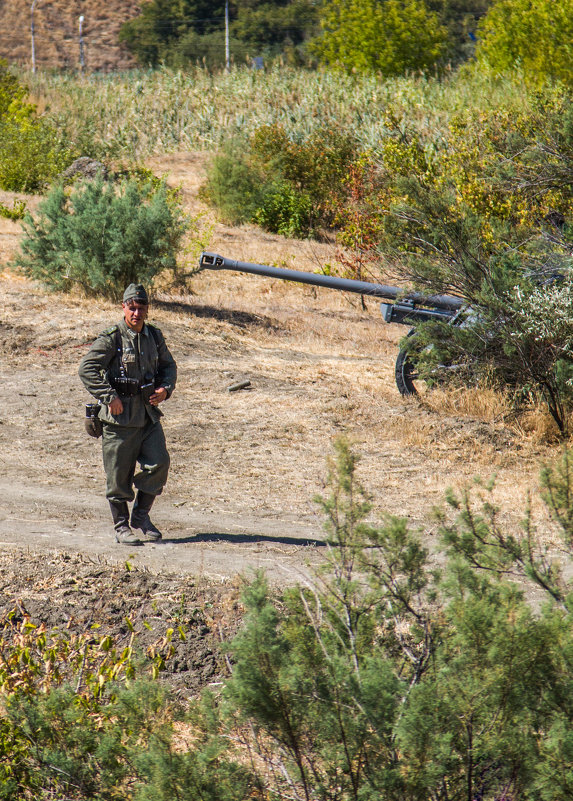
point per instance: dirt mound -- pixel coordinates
(56, 33)
(69, 593)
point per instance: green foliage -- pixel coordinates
(271, 28)
(317, 676)
(461, 19)
(233, 186)
(32, 152)
(70, 709)
(202, 768)
(285, 211)
(390, 679)
(536, 38)
(487, 215)
(193, 31)
(391, 37)
(101, 237)
(291, 188)
(17, 211)
(162, 23)
(82, 719)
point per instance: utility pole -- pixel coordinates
(32, 32)
(82, 64)
(227, 49)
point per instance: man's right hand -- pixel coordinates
(115, 406)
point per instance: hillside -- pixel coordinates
(56, 33)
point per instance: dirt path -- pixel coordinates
(247, 464)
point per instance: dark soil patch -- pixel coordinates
(73, 595)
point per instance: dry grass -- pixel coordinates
(538, 427)
(487, 405)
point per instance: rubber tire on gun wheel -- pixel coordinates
(406, 372)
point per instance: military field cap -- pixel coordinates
(136, 292)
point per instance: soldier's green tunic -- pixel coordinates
(135, 435)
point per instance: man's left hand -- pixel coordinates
(158, 396)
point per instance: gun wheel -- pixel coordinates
(406, 374)
(408, 379)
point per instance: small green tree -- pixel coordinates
(391, 679)
(102, 237)
(536, 37)
(386, 36)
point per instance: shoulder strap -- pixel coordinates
(119, 349)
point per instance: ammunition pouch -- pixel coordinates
(124, 386)
(129, 387)
(147, 390)
(92, 423)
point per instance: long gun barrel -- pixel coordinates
(447, 303)
(407, 308)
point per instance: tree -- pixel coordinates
(536, 37)
(388, 678)
(269, 29)
(162, 23)
(487, 216)
(387, 36)
(183, 32)
(102, 237)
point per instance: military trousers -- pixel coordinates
(123, 449)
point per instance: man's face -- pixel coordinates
(134, 314)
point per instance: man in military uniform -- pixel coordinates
(130, 371)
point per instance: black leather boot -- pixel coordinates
(123, 533)
(140, 516)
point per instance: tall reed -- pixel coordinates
(136, 114)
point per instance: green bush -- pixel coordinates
(316, 166)
(288, 187)
(17, 211)
(285, 211)
(232, 186)
(84, 719)
(534, 37)
(389, 37)
(101, 237)
(32, 151)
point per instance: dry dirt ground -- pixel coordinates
(246, 464)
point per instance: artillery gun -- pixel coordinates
(405, 308)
